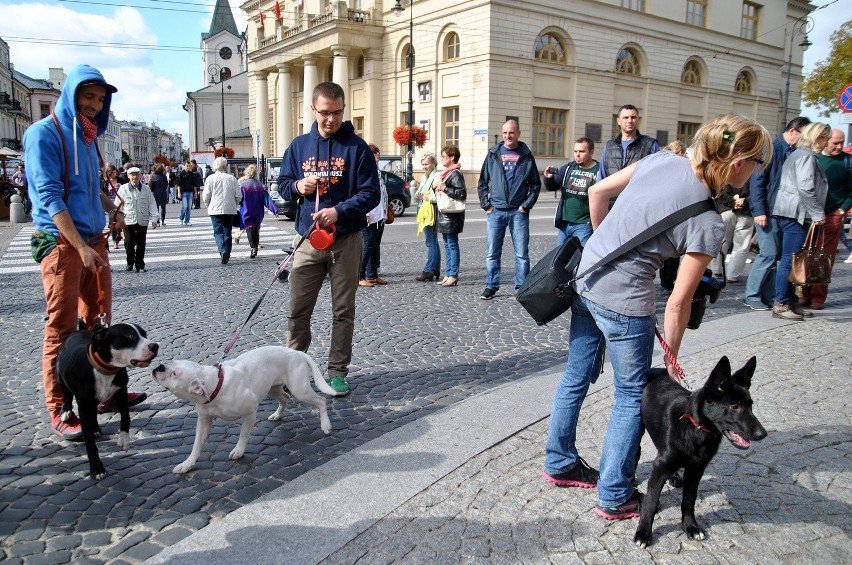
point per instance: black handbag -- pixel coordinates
(548, 290)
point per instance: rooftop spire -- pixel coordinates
(223, 19)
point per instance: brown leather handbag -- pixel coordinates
(812, 265)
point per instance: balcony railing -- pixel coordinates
(337, 13)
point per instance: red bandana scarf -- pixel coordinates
(90, 129)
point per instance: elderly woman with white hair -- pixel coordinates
(222, 197)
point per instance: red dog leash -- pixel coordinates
(671, 358)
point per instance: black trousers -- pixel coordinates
(134, 244)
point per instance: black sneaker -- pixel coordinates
(630, 509)
(580, 475)
(487, 294)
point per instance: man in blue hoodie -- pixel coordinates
(332, 173)
(69, 216)
(508, 189)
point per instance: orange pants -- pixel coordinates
(71, 291)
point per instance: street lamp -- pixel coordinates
(397, 10)
(214, 70)
(804, 24)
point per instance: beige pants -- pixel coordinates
(310, 267)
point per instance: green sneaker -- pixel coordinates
(339, 384)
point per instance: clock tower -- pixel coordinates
(223, 45)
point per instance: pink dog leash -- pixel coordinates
(671, 358)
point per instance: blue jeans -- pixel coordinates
(185, 207)
(568, 229)
(519, 229)
(792, 238)
(630, 340)
(760, 285)
(371, 251)
(451, 248)
(222, 225)
(433, 251)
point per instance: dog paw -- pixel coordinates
(274, 417)
(98, 471)
(182, 468)
(123, 441)
(236, 453)
(695, 533)
(642, 539)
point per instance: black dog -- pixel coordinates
(92, 366)
(687, 430)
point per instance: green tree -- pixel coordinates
(823, 84)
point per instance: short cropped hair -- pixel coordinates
(452, 151)
(589, 143)
(220, 164)
(330, 90)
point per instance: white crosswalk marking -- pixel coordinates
(167, 244)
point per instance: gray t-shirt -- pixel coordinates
(662, 184)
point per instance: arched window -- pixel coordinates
(226, 73)
(406, 50)
(452, 47)
(743, 84)
(627, 62)
(548, 48)
(359, 67)
(691, 73)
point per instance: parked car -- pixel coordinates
(399, 197)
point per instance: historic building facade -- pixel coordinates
(563, 68)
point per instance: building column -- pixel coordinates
(373, 97)
(285, 109)
(310, 82)
(261, 110)
(340, 72)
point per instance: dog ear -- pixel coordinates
(99, 333)
(744, 375)
(196, 387)
(720, 377)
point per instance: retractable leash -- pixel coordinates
(278, 272)
(670, 356)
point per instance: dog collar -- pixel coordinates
(695, 423)
(101, 365)
(218, 384)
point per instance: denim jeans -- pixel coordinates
(433, 251)
(371, 251)
(630, 340)
(222, 231)
(760, 286)
(792, 238)
(519, 229)
(185, 207)
(451, 249)
(568, 229)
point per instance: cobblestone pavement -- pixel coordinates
(785, 500)
(417, 350)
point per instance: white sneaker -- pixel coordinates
(848, 259)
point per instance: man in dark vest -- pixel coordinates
(629, 147)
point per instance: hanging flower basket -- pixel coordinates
(404, 135)
(225, 152)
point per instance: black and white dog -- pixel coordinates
(92, 366)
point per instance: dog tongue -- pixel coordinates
(738, 440)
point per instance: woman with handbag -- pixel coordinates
(426, 215)
(614, 308)
(451, 195)
(800, 202)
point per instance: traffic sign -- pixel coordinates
(844, 99)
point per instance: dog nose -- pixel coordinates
(154, 347)
(159, 369)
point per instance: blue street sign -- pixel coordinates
(844, 99)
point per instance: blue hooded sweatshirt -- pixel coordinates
(46, 161)
(349, 178)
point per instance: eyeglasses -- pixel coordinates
(326, 114)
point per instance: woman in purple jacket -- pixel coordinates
(255, 199)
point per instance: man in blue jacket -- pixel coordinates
(763, 188)
(508, 189)
(68, 213)
(333, 174)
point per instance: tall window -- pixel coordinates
(451, 125)
(45, 109)
(696, 12)
(403, 118)
(549, 132)
(358, 124)
(691, 73)
(748, 27)
(452, 47)
(405, 52)
(686, 131)
(549, 48)
(627, 62)
(359, 67)
(743, 83)
(638, 5)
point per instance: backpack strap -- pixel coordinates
(669, 221)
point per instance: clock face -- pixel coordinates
(225, 53)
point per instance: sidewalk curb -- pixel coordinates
(321, 511)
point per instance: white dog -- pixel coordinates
(236, 388)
